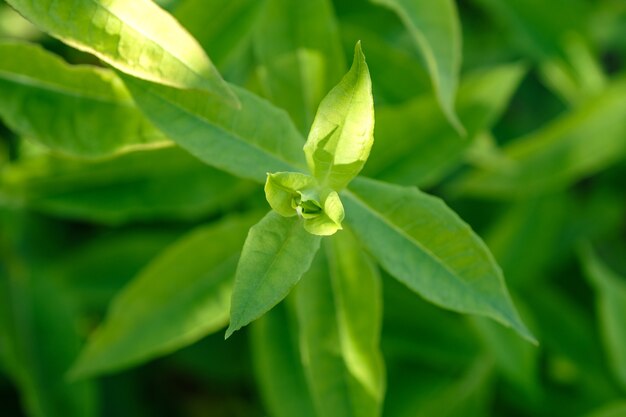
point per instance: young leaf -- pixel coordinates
(181, 296)
(277, 252)
(138, 38)
(425, 245)
(611, 303)
(435, 28)
(249, 142)
(339, 308)
(292, 193)
(298, 47)
(278, 366)
(342, 134)
(76, 110)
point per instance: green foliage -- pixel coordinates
(134, 221)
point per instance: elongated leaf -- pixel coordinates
(277, 252)
(436, 31)
(249, 142)
(339, 306)
(415, 143)
(299, 49)
(560, 153)
(138, 38)
(181, 296)
(137, 185)
(76, 110)
(424, 244)
(611, 303)
(342, 134)
(278, 367)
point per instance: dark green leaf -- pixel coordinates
(277, 252)
(424, 244)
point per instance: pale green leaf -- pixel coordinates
(580, 143)
(415, 143)
(282, 189)
(329, 220)
(342, 134)
(76, 110)
(424, 244)
(136, 185)
(298, 47)
(278, 367)
(249, 142)
(292, 193)
(435, 28)
(180, 297)
(339, 306)
(611, 304)
(276, 253)
(136, 37)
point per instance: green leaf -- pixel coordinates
(76, 110)
(424, 244)
(339, 306)
(249, 142)
(277, 252)
(298, 47)
(611, 304)
(559, 153)
(343, 130)
(180, 297)
(402, 156)
(278, 367)
(138, 38)
(435, 28)
(137, 185)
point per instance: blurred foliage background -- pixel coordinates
(540, 174)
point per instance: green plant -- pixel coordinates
(132, 185)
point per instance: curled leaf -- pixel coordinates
(293, 193)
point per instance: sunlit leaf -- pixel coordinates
(342, 134)
(339, 314)
(138, 38)
(76, 110)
